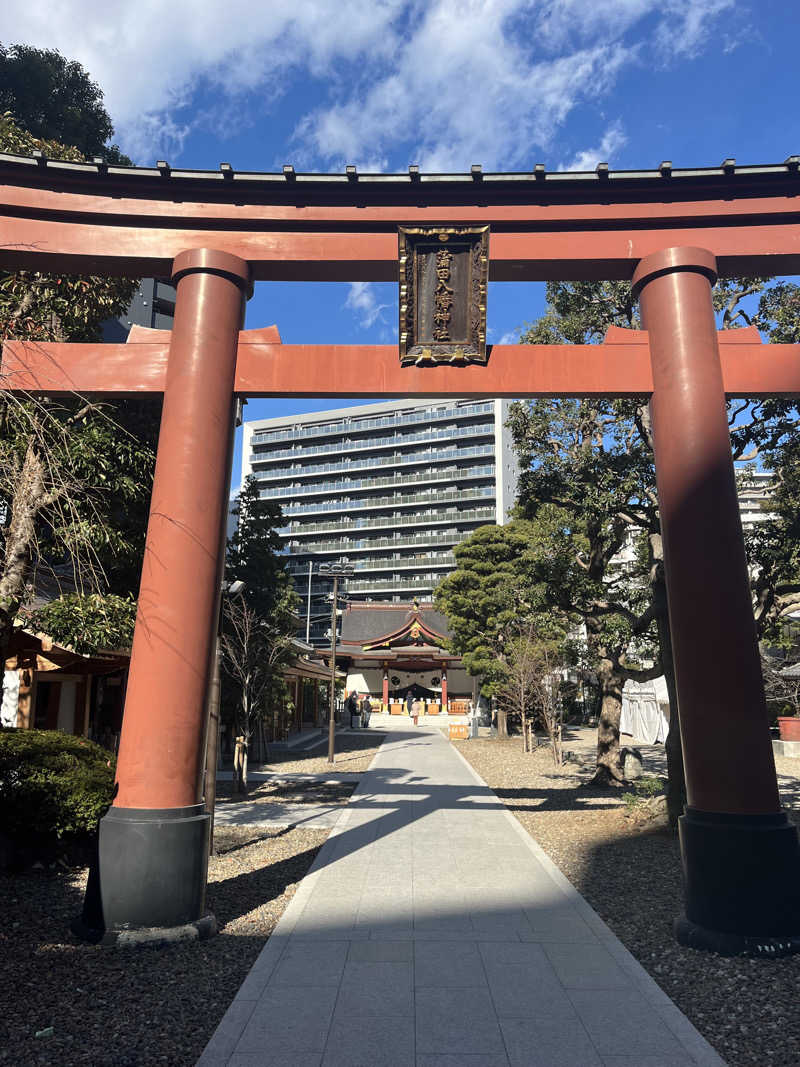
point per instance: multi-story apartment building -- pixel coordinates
(390, 488)
(153, 305)
(755, 494)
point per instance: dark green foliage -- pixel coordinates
(54, 307)
(259, 623)
(588, 485)
(486, 597)
(52, 784)
(56, 99)
(253, 556)
(88, 623)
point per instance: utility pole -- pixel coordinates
(331, 724)
(308, 603)
(212, 740)
(335, 571)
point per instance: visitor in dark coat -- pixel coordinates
(351, 706)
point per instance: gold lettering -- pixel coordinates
(442, 296)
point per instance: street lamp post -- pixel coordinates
(335, 571)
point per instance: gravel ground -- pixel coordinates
(630, 874)
(354, 753)
(137, 1007)
(126, 1007)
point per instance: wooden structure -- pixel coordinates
(671, 231)
(61, 689)
(305, 675)
(384, 639)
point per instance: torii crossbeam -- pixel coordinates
(267, 368)
(741, 856)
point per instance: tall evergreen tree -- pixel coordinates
(487, 598)
(254, 556)
(55, 99)
(590, 463)
(258, 623)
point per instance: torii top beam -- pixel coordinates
(92, 218)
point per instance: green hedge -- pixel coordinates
(52, 784)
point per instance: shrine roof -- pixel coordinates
(364, 624)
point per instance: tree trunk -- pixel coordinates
(502, 724)
(609, 766)
(239, 772)
(557, 744)
(676, 780)
(28, 498)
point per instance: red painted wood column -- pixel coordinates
(737, 845)
(385, 697)
(152, 842)
(444, 687)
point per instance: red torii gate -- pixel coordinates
(213, 232)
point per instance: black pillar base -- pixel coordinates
(742, 883)
(691, 935)
(150, 873)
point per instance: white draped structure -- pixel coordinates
(642, 715)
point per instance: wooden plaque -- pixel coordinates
(443, 277)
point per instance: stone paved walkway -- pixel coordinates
(433, 932)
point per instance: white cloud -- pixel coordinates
(685, 28)
(449, 82)
(677, 27)
(492, 81)
(149, 56)
(510, 337)
(612, 141)
(363, 302)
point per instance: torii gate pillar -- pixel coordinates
(153, 841)
(740, 854)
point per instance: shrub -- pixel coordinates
(645, 788)
(52, 784)
(89, 622)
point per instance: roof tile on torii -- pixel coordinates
(90, 217)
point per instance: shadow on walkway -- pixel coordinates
(432, 932)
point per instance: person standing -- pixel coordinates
(416, 709)
(351, 706)
(366, 710)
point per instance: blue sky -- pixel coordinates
(441, 83)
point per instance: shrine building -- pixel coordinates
(391, 649)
